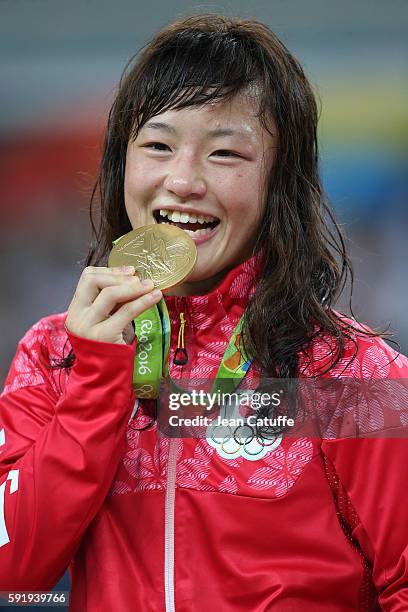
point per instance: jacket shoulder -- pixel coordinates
(43, 345)
(49, 329)
(364, 355)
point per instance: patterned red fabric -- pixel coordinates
(315, 524)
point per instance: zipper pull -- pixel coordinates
(180, 354)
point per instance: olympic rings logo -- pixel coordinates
(240, 442)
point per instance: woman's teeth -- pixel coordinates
(185, 217)
(188, 222)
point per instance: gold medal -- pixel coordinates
(162, 252)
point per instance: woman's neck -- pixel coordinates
(200, 287)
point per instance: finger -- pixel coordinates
(114, 269)
(110, 297)
(93, 280)
(129, 311)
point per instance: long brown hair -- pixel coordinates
(209, 57)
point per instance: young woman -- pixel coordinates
(213, 129)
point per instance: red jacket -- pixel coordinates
(156, 524)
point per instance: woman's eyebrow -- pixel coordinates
(228, 132)
(217, 132)
(160, 125)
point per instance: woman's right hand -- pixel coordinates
(106, 301)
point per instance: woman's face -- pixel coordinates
(203, 169)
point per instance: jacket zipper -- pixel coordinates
(180, 358)
(169, 526)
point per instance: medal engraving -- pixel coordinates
(164, 253)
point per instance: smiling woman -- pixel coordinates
(213, 129)
(207, 169)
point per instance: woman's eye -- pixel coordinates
(226, 153)
(157, 146)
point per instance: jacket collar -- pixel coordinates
(230, 297)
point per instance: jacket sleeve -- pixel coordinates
(58, 456)
(370, 479)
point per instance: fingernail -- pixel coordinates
(128, 269)
(147, 282)
(156, 293)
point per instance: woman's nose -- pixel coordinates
(185, 180)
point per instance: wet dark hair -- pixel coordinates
(206, 58)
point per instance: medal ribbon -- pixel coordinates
(148, 368)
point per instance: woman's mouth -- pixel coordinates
(196, 226)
